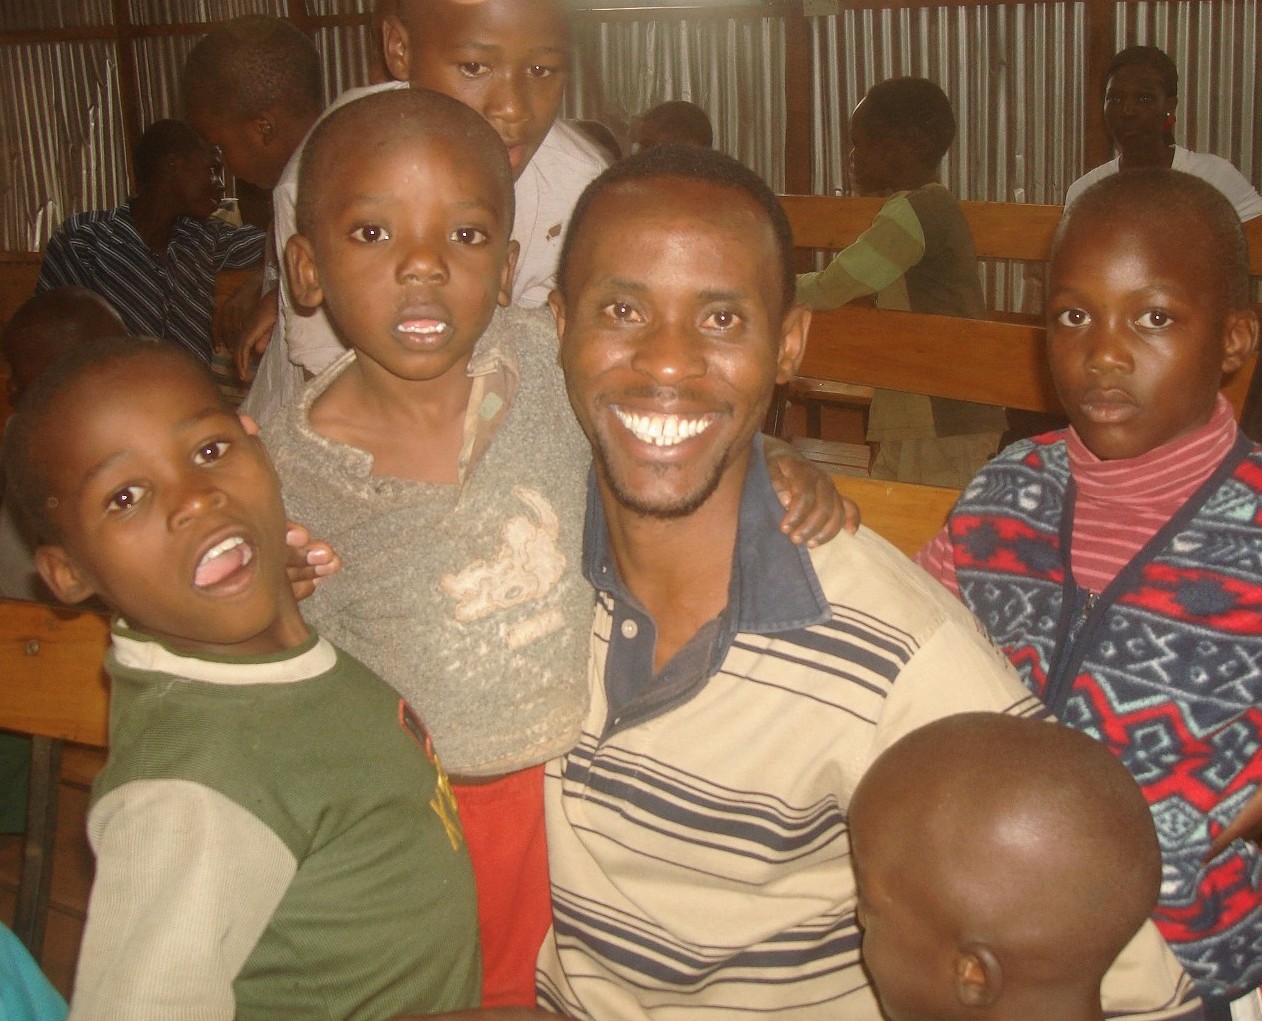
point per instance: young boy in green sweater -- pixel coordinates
(274, 834)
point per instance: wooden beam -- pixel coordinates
(799, 122)
(1101, 32)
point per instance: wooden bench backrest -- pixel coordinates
(986, 362)
(51, 680)
(904, 514)
(1001, 230)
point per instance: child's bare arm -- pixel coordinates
(1247, 825)
(814, 510)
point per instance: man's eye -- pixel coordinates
(469, 236)
(1072, 317)
(472, 68)
(211, 452)
(1154, 319)
(723, 319)
(370, 233)
(125, 499)
(542, 71)
(621, 311)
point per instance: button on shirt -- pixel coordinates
(172, 299)
(773, 588)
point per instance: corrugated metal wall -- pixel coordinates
(62, 142)
(1014, 73)
(1016, 79)
(732, 67)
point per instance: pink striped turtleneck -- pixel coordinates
(1122, 504)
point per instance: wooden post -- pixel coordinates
(128, 83)
(1101, 45)
(799, 71)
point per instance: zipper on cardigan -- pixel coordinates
(1059, 680)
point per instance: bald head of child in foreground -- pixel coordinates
(1002, 866)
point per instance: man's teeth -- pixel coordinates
(424, 328)
(663, 430)
(219, 549)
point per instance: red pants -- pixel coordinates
(504, 830)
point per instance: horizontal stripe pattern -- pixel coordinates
(700, 858)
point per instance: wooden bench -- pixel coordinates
(52, 688)
(999, 361)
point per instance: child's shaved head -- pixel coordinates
(368, 126)
(1020, 846)
(48, 325)
(1162, 197)
(251, 64)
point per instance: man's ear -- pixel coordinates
(978, 975)
(510, 271)
(64, 578)
(1240, 338)
(300, 270)
(793, 331)
(557, 303)
(396, 47)
(250, 426)
(264, 127)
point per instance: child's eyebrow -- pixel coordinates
(190, 422)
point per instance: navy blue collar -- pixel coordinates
(773, 587)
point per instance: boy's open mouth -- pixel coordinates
(221, 561)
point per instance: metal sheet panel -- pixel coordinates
(733, 67)
(61, 138)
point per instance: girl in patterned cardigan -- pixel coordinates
(1119, 562)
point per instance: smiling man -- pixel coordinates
(740, 685)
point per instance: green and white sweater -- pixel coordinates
(274, 838)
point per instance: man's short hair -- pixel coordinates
(251, 64)
(1150, 57)
(162, 139)
(915, 109)
(692, 163)
(1157, 195)
(26, 468)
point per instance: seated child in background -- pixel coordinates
(917, 256)
(1002, 864)
(43, 328)
(441, 459)
(506, 59)
(675, 122)
(1119, 563)
(253, 87)
(274, 836)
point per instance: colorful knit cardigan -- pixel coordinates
(1164, 666)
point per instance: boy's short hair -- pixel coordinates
(680, 121)
(1043, 818)
(1159, 195)
(915, 109)
(162, 139)
(1150, 57)
(419, 111)
(692, 163)
(251, 64)
(26, 470)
